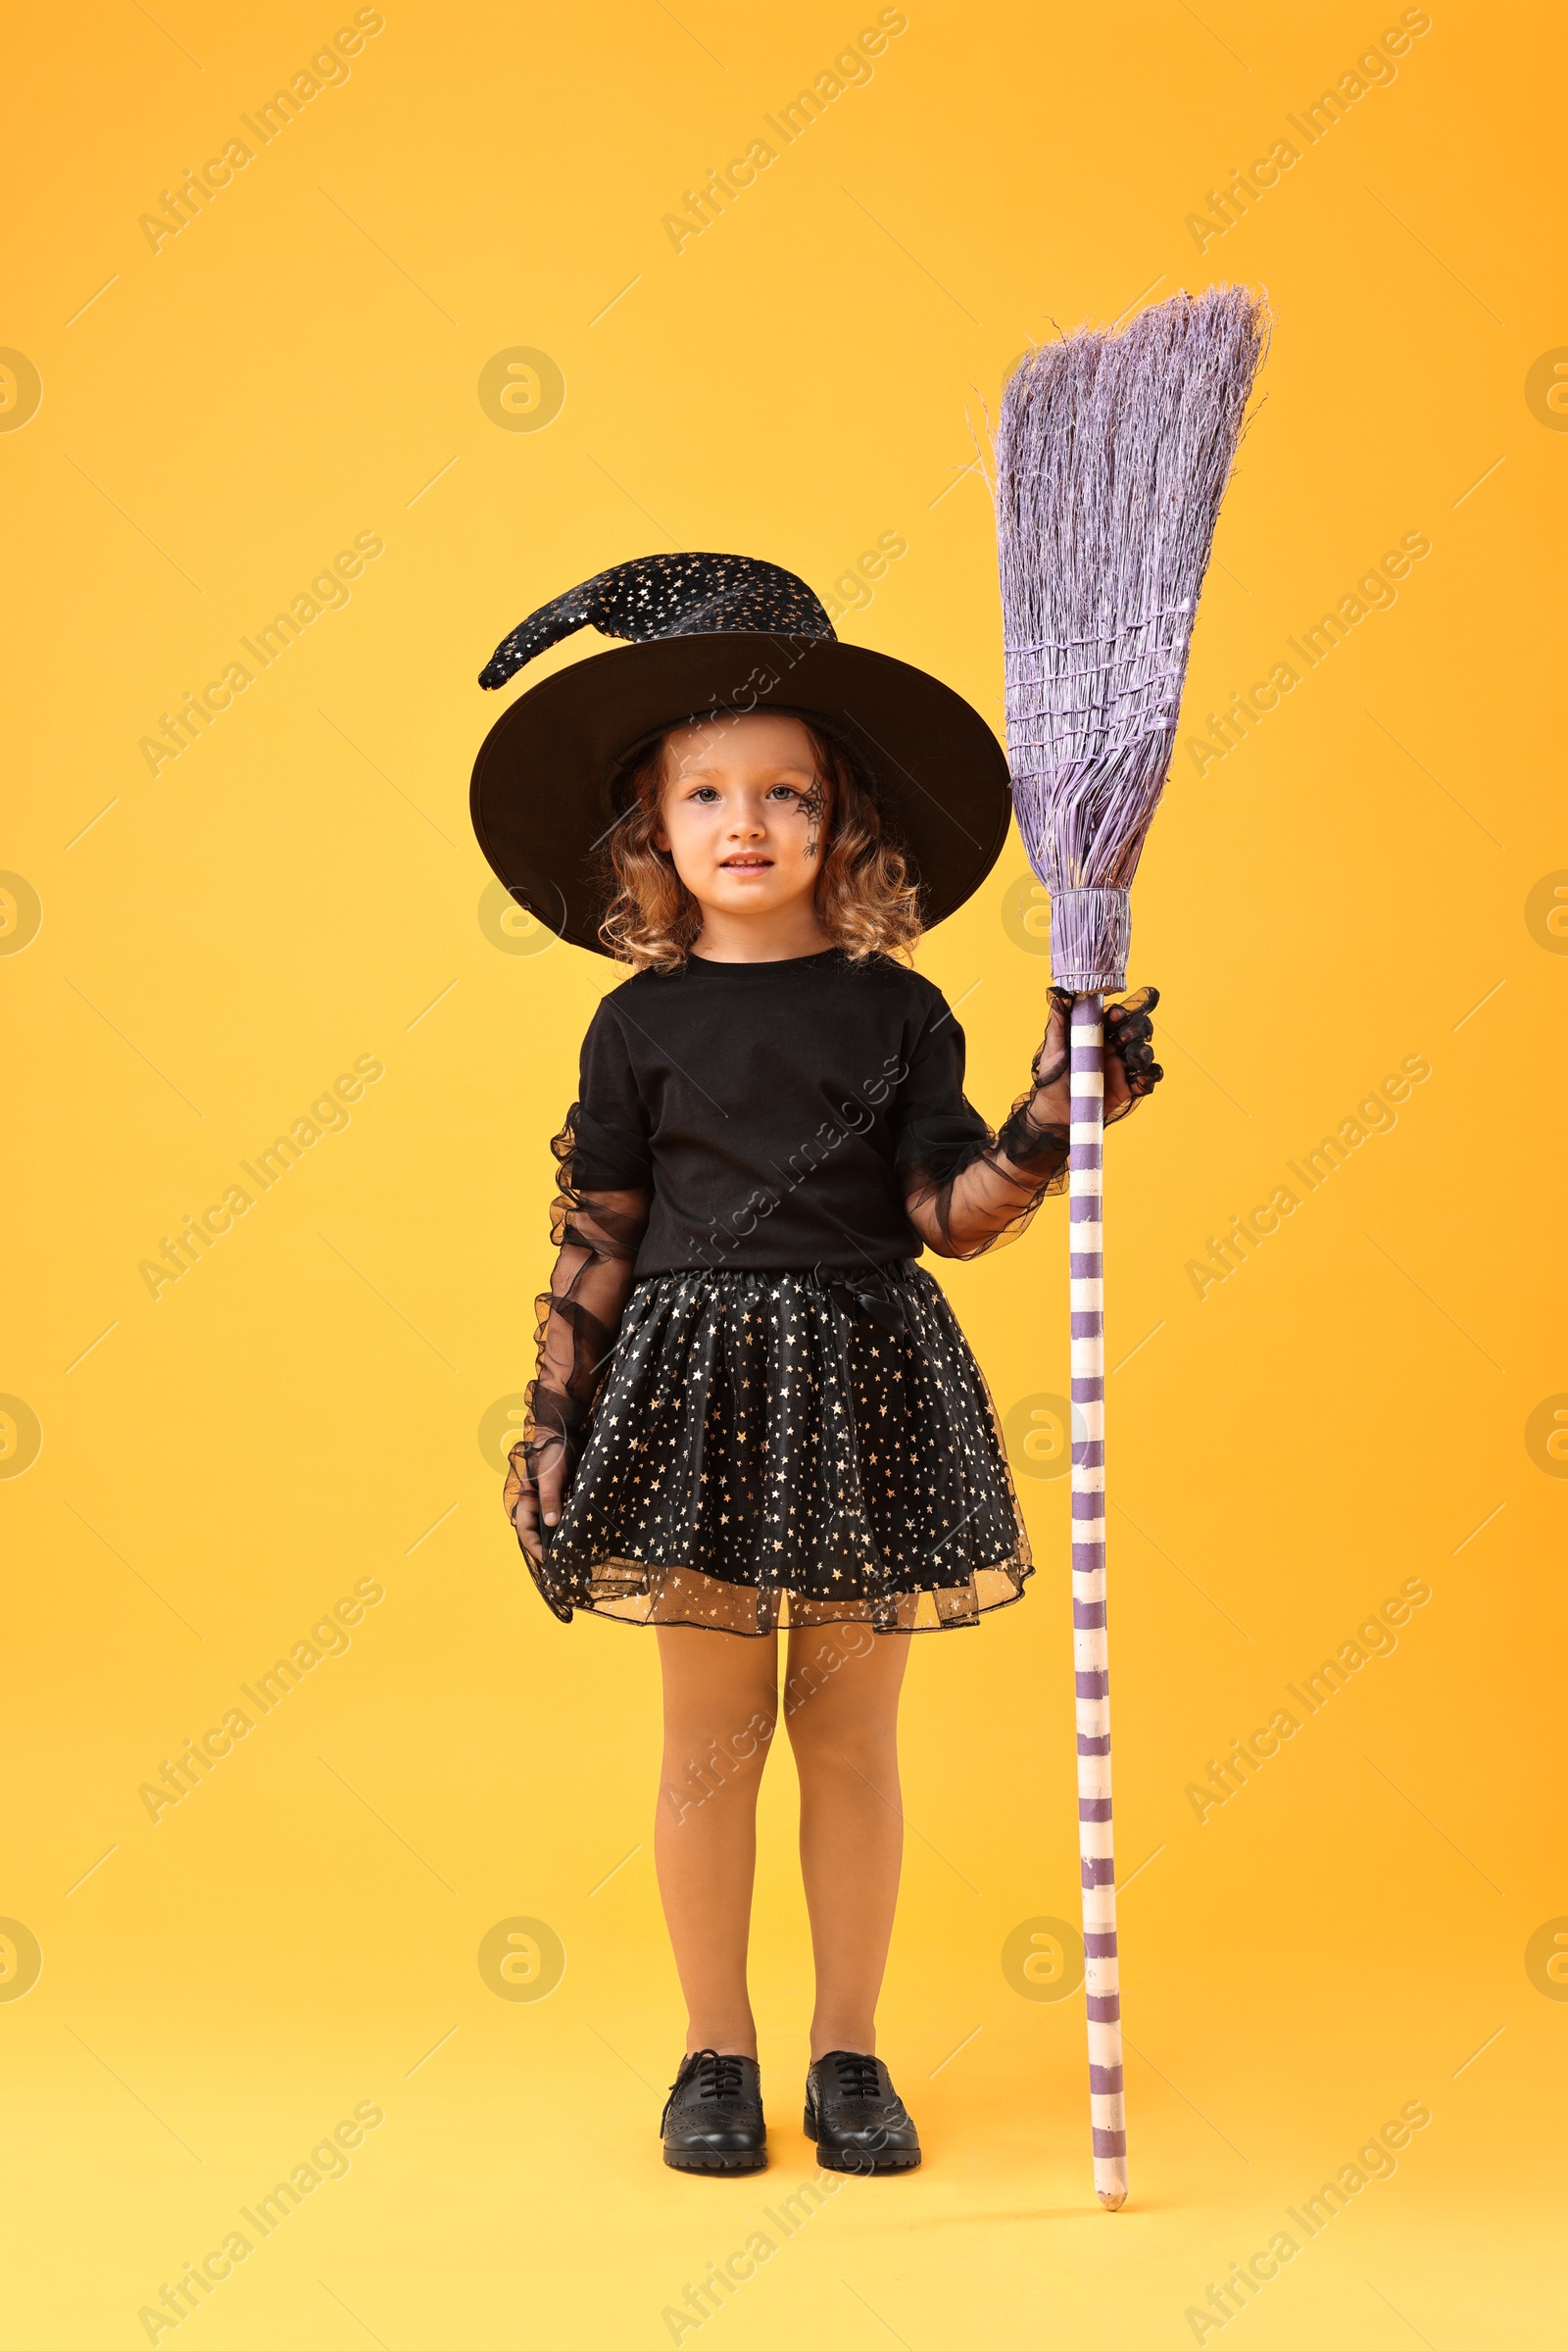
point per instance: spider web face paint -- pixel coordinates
(813, 808)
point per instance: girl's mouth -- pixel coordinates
(744, 864)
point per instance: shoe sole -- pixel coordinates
(715, 2162)
(855, 2159)
(833, 2159)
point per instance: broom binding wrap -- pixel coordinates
(1091, 931)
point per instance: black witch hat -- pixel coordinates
(714, 636)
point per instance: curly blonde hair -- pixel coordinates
(865, 901)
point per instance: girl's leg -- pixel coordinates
(720, 1708)
(840, 1706)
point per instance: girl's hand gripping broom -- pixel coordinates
(1112, 455)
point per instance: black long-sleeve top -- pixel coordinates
(778, 1113)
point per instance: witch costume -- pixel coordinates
(770, 1416)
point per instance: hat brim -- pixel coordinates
(543, 798)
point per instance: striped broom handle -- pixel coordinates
(1091, 1657)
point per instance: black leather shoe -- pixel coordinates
(855, 2116)
(713, 2119)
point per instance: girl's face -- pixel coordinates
(744, 813)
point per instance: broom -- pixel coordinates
(1112, 454)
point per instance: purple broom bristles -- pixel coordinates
(1112, 454)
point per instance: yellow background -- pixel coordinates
(302, 1411)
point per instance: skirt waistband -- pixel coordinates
(870, 1292)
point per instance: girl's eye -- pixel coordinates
(705, 794)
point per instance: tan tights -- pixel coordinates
(721, 1707)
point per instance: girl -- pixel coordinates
(754, 1409)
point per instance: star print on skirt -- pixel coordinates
(789, 1448)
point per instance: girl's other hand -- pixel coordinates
(534, 1499)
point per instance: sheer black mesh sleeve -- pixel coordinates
(597, 1221)
(942, 1137)
(968, 1190)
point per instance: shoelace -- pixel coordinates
(857, 2075)
(716, 2077)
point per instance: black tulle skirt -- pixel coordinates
(776, 1449)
